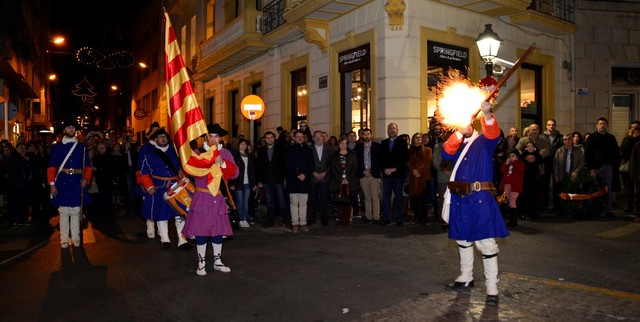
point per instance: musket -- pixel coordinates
(508, 74)
(84, 153)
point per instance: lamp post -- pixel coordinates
(488, 44)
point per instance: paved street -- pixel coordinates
(551, 270)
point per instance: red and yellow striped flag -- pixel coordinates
(187, 121)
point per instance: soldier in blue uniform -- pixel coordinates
(69, 173)
(158, 168)
(470, 205)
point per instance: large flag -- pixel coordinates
(187, 121)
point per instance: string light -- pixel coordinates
(91, 57)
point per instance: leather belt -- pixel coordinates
(165, 178)
(71, 171)
(466, 188)
(205, 190)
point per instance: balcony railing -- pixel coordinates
(561, 9)
(272, 16)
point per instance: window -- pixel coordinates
(299, 99)
(530, 95)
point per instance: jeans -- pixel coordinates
(242, 201)
(606, 173)
(276, 190)
(389, 186)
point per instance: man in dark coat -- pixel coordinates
(298, 167)
(368, 156)
(320, 177)
(270, 177)
(394, 155)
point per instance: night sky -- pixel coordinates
(104, 28)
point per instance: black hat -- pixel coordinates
(154, 126)
(157, 131)
(69, 121)
(215, 128)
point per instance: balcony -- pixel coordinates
(284, 19)
(237, 43)
(492, 8)
(554, 17)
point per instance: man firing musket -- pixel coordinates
(470, 206)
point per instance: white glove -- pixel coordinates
(486, 107)
(206, 146)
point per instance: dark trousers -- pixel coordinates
(392, 186)
(630, 190)
(276, 201)
(318, 201)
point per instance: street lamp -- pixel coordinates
(488, 44)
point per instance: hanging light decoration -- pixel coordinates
(116, 60)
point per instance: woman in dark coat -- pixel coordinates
(344, 180)
(419, 166)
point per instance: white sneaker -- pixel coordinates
(244, 224)
(64, 245)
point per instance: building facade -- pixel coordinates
(25, 96)
(349, 64)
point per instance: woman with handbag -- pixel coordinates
(344, 181)
(419, 166)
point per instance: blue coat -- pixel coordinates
(68, 185)
(150, 164)
(475, 216)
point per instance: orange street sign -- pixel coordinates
(252, 107)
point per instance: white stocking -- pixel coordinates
(489, 249)
(163, 231)
(217, 261)
(465, 249)
(151, 228)
(202, 251)
(179, 221)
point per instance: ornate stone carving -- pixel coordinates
(350, 36)
(315, 33)
(395, 9)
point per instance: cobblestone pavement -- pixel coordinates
(550, 270)
(522, 299)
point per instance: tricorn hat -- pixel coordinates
(154, 126)
(157, 131)
(69, 121)
(215, 128)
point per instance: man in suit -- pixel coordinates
(320, 177)
(394, 155)
(270, 176)
(368, 156)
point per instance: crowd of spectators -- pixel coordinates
(393, 183)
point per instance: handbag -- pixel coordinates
(624, 166)
(234, 217)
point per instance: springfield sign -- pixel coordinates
(440, 54)
(354, 58)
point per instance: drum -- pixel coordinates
(179, 196)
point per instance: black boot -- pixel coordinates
(513, 216)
